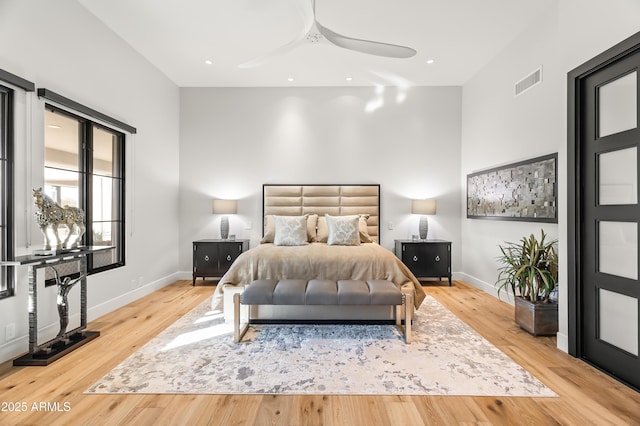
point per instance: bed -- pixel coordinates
(328, 214)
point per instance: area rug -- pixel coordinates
(196, 355)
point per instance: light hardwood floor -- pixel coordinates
(586, 396)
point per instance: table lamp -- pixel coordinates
(224, 207)
(423, 208)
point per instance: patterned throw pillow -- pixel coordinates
(270, 228)
(290, 231)
(343, 230)
(323, 230)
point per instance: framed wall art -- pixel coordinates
(525, 191)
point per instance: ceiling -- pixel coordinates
(178, 36)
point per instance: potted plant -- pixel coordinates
(529, 269)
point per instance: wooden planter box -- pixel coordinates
(539, 319)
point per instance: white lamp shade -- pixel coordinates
(225, 206)
(423, 206)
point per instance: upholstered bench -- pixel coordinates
(323, 292)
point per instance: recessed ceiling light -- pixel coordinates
(430, 61)
(290, 79)
(208, 62)
(349, 78)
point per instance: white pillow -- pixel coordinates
(290, 231)
(343, 230)
(323, 230)
(270, 228)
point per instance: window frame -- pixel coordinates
(85, 183)
(7, 226)
(7, 184)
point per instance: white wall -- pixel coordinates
(499, 128)
(62, 47)
(234, 140)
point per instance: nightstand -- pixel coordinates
(426, 258)
(212, 258)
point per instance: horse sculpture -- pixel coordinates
(49, 215)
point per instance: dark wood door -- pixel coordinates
(205, 259)
(437, 259)
(609, 289)
(414, 256)
(227, 254)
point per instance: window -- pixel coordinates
(84, 167)
(6, 190)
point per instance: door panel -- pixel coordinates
(609, 215)
(206, 258)
(618, 177)
(415, 257)
(228, 253)
(617, 101)
(437, 257)
(618, 249)
(618, 314)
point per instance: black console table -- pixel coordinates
(66, 341)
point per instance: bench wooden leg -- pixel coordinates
(238, 332)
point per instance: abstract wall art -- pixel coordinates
(525, 191)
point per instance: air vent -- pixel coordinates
(529, 82)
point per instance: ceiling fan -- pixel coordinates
(313, 32)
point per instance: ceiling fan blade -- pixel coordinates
(273, 54)
(306, 13)
(366, 46)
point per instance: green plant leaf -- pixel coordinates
(529, 268)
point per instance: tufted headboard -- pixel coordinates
(336, 200)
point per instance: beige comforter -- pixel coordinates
(321, 261)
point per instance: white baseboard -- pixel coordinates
(562, 342)
(135, 294)
(18, 346)
(14, 348)
(483, 285)
(184, 275)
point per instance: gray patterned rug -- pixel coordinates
(196, 355)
